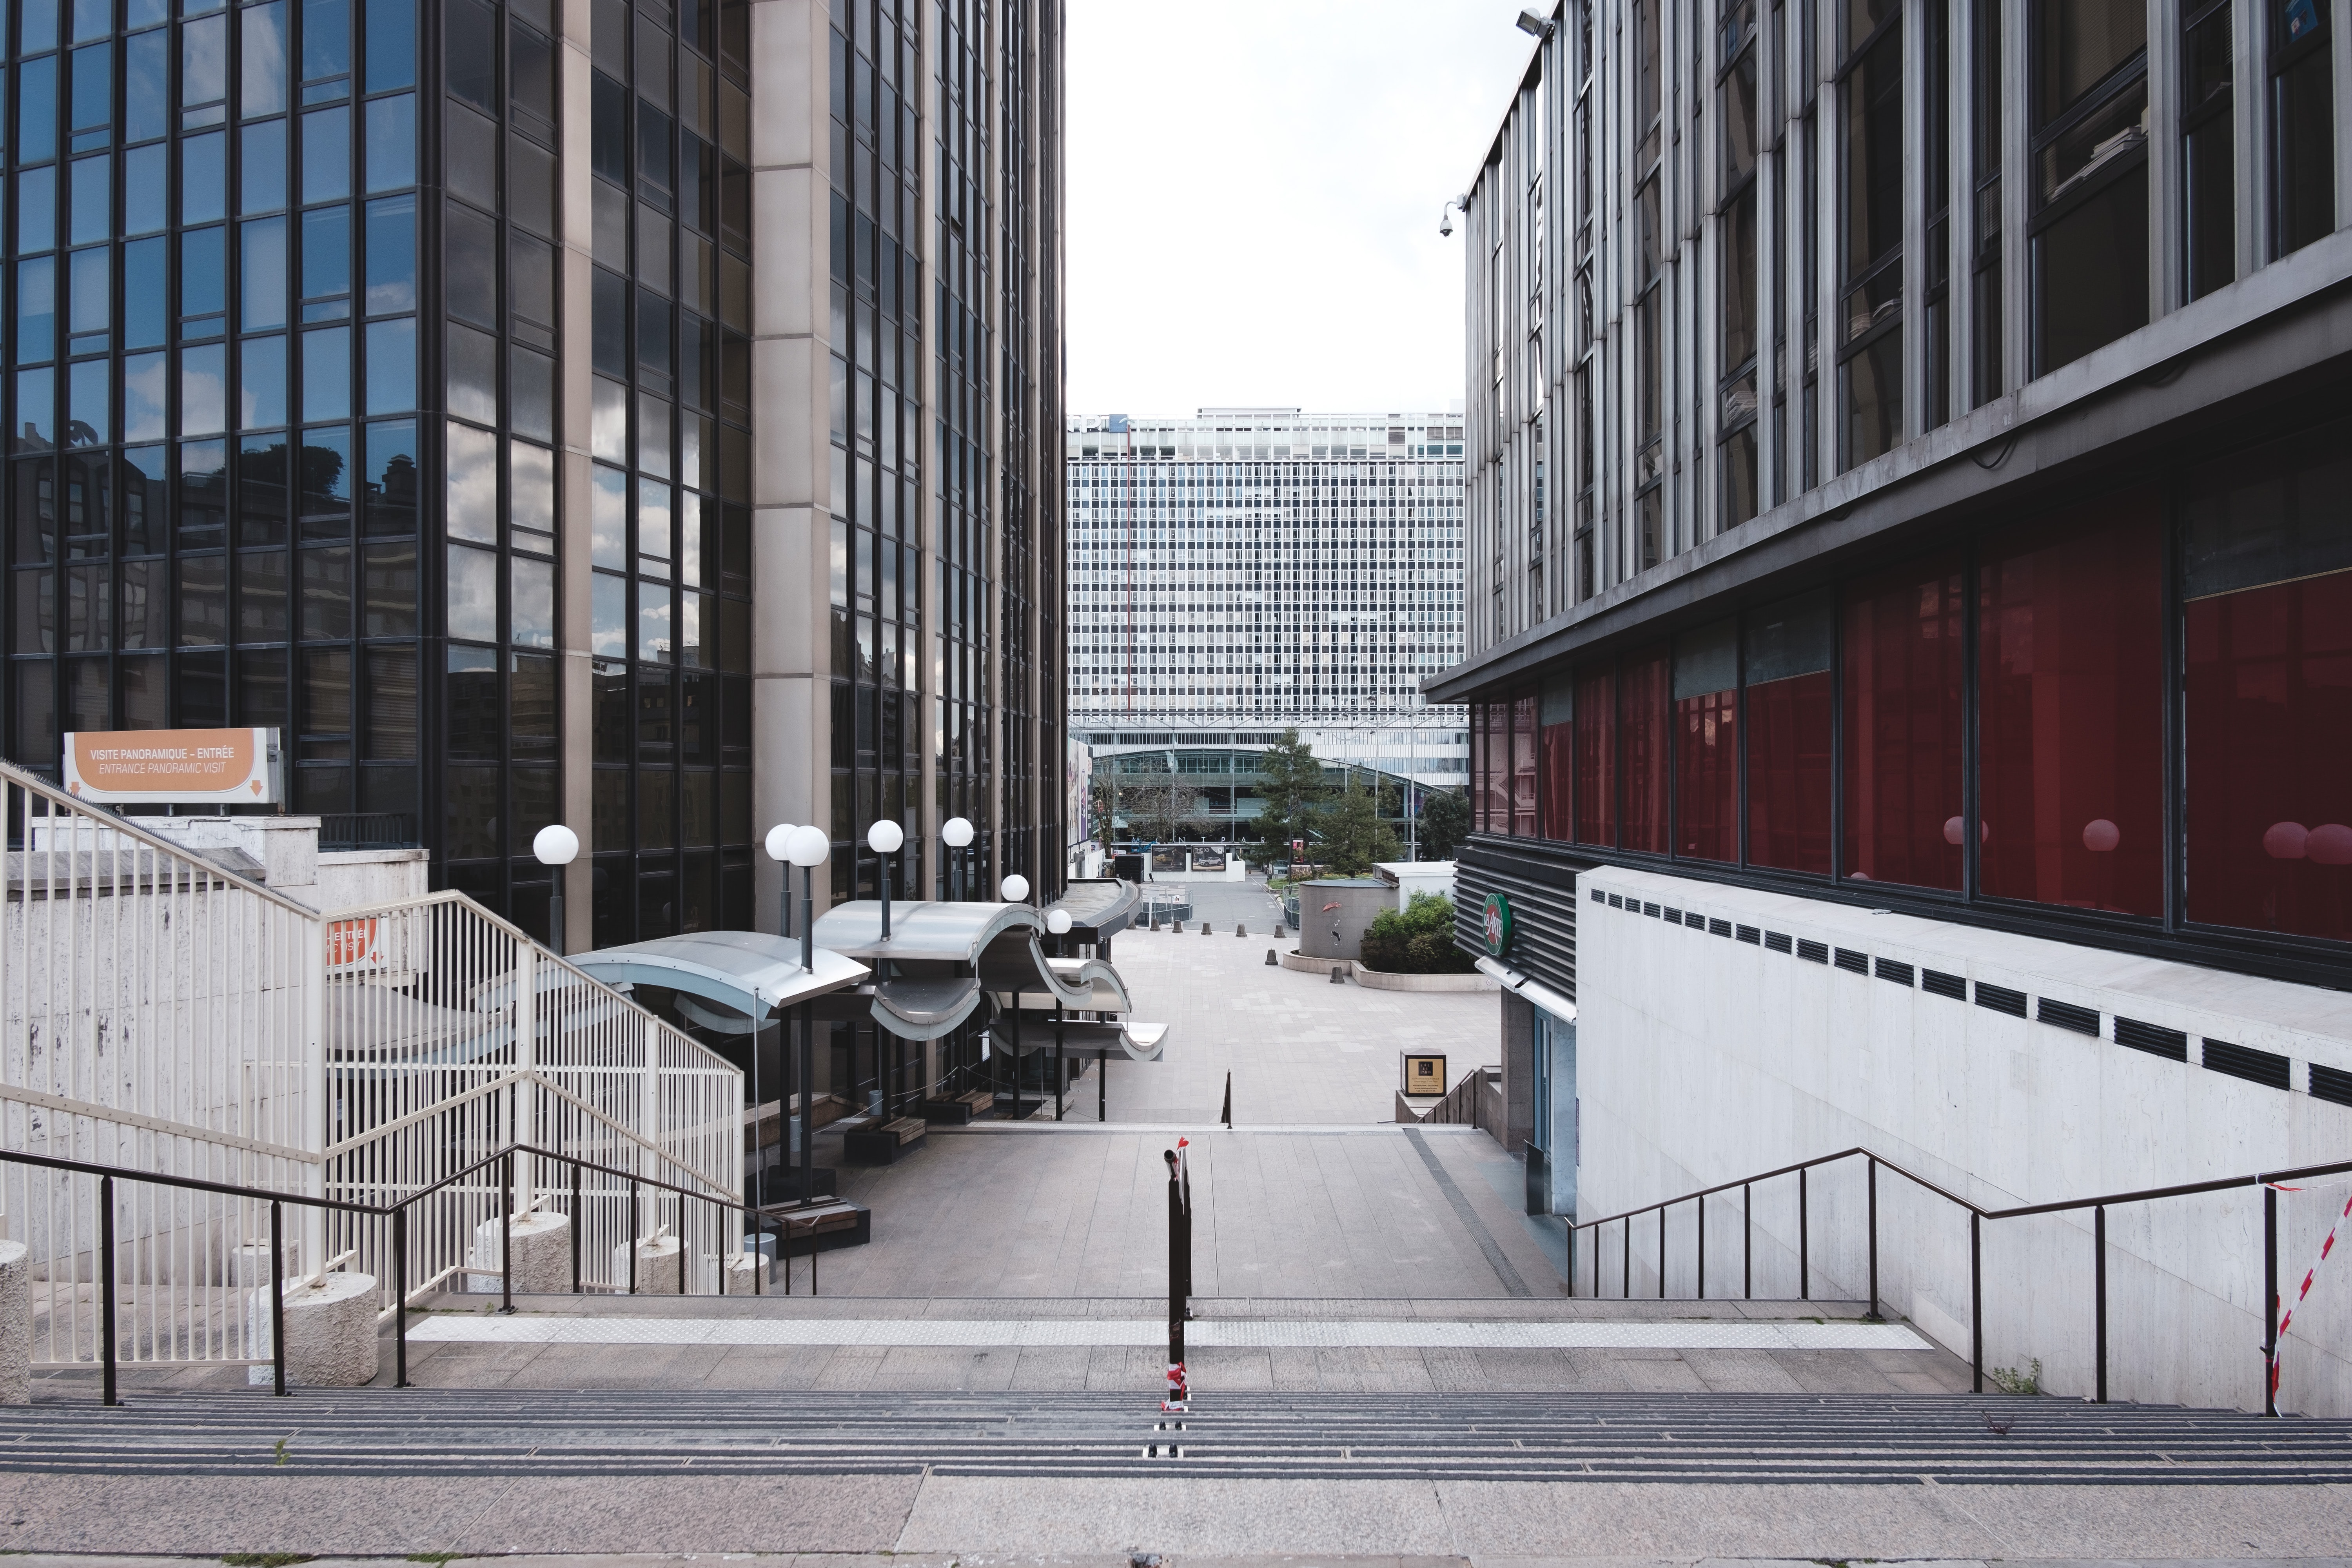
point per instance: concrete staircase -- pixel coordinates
(1686, 1438)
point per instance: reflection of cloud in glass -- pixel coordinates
(203, 391)
(473, 593)
(144, 396)
(609, 618)
(533, 471)
(653, 622)
(261, 384)
(608, 518)
(473, 483)
(532, 612)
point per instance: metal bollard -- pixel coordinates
(1205, 931)
(1272, 961)
(1241, 930)
(1338, 975)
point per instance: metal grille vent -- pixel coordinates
(1776, 941)
(1750, 935)
(2001, 999)
(2066, 1016)
(1812, 951)
(1673, 917)
(2331, 1083)
(1718, 928)
(1615, 902)
(1650, 911)
(1943, 984)
(2171, 1043)
(1598, 896)
(1888, 968)
(2245, 1062)
(1853, 962)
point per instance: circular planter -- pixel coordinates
(1375, 980)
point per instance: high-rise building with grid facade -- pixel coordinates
(1261, 566)
(637, 415)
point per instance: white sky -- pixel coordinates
(1254, 194)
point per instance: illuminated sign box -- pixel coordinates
(178, 767)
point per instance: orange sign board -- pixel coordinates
(184, 766)
(355, 944)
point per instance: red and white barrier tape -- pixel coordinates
(2310, 1274)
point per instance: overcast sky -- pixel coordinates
(1254, 188)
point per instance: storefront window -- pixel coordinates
(1523, 765)
(1596, 756)
(2070, 708)
(1789, 698)
(1643, 714)
(1903, 667)
(1556, 755)
(1706, 743)
(2269, 678)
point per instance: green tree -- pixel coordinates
(1291, 793)
(1445, 824)
(1415, 939)
(1354, 835)
(1103, 798)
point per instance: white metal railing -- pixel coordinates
(162, 1012)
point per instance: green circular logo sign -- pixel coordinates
(1498, 924)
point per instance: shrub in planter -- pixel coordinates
(1415, 939)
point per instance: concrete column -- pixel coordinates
(660, 1265)
(539, 1252)
(330, 1338)
(574, 474)
(1519, 1071)
(16, 1325)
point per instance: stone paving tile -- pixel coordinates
(1300, 1050)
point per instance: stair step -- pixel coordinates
(1748, 1438)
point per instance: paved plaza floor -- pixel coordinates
(1300, 1050)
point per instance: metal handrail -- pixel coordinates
(397, 1214)
(2267, 1181)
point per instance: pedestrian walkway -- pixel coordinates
(1300, 1050)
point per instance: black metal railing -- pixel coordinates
(367, 830)
(2266, 1181)
(763, 1220)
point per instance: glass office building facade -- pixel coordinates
(1955, 512)
(331, 409)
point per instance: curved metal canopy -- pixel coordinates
(921, 930)
(756, 974)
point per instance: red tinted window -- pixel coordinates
(1596, 758)
(1642, 714)
(1706, 777)
(1523, 766)
(2270, 757)
(1788, 772)
(1903, 663)
(2070, 708)
(1556, 759)
(1494, 764)
(1707, 743)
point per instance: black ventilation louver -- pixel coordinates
(2243, 1061)
(2066, 1016)
(2001, 999)
(1899, 973)
(1942, 984)
(2170, 1044)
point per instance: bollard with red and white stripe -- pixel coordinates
(2309, 1274)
